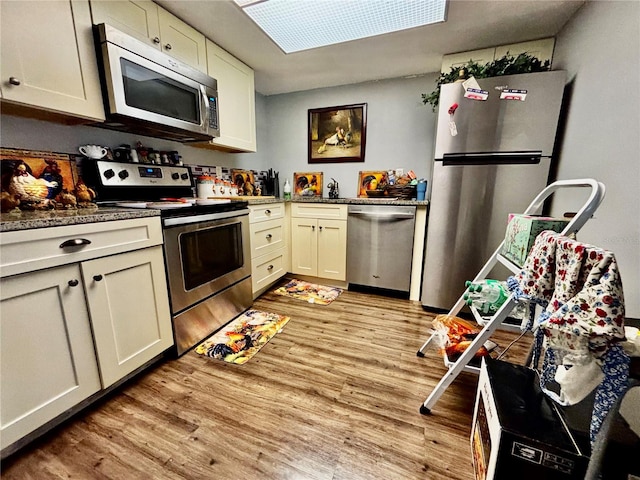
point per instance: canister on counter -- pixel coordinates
(205, 186)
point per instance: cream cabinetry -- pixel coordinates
(237, 107)
(48, 360)
(541, 49)
(319, 240)
(269, 245)
(151, 24)
(48, 59)
(87, 320)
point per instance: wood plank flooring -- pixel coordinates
(334, 396)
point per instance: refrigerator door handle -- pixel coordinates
(492, 158)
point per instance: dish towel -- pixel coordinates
(579, 287)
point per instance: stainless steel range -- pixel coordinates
(206, 247)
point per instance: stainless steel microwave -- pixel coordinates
(150, 93)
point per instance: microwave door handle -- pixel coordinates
(204, 105)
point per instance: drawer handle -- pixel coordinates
(73, 283)
(97, 278)
(270, 267)
(14, 81)
(75, 242)
(267, 212)
(269, 236)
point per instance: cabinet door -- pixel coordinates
(304, 246)
(332, 249)
(237, 107)
(182, 41)
(48, 361)
(48, 57)
(129, 307)
(138, 18)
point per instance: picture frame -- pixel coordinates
(244, 180)
(365, 178)
(308, 184)
(337, 134)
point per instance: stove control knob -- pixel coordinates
(123, 174)
(109, 173)
(175, 176)
(184, 176)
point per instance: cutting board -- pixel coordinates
(248, 198)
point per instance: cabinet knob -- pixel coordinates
(269, 236)
(73, 283)
(313, 228)
(267, 212)
(320, 228)
(75, 242)
(270, 267)
(168, 46)
(156, 40)
(14, 81)
(97, 278)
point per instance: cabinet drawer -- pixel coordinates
(28, 250)
(270, 211)
(266, 237)
(327, 210)
(267, 269)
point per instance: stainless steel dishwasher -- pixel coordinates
(380, 246)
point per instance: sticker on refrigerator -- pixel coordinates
(476, 94)
(513, 94)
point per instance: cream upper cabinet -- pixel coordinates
(236, 104)
(319, 240)
(151, 24)
(541, 49)
(48, 58)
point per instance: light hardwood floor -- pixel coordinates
(335, 395)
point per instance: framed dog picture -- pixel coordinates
(337, 134)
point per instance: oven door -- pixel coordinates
(205, 257)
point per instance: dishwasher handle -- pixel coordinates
(384, 216)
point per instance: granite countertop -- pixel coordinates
(25, 220)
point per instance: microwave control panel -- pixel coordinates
(213, 113)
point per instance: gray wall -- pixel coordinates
(600, 50)
(17, 132)
(400, 129)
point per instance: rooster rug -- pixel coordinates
(243, 337)
(309, 292)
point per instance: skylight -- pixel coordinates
(296, 25)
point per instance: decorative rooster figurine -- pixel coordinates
(30, 189)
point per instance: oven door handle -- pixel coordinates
(175, 221)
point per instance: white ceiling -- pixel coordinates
(470, 25)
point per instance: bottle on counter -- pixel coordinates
(287, 190)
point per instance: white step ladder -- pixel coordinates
(489, 325)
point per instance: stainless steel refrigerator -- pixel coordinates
(495, 164)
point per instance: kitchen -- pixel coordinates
(596, 47)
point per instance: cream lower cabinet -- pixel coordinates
(71, 330)
(48, 360)
(48, 58)
(269, 246)
(129, 308)
(319, 240)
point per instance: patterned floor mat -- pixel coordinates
(242, 338)
(309, 292)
